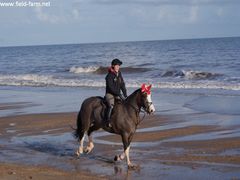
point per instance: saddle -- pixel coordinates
(104, 101)
(105, 105)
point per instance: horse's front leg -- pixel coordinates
(126, 144)
(119, 157)
(130, 165)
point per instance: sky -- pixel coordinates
(90, 21)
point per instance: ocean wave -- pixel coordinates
(104, 70)
(198, 85)
(48, 80)
(77, 70)
(200, 75)
(194, 75)
(146, 64)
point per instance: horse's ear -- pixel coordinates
(146, 89)
(143, 87)
(149, 87)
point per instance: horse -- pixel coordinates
(125, 118)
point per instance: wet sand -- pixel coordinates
(19, 171)
(41, 146)
(18, 105)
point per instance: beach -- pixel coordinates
(185, 144)
(193, 134)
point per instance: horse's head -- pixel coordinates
(146, 99)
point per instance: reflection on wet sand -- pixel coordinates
(163, 146)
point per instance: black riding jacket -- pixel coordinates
(115, 83)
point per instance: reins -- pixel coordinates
(144, 114)
(138, 114)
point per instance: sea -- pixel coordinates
(191, 66)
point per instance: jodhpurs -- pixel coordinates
(110, 99)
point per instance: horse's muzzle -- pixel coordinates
(151, 109)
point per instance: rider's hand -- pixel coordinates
(118, 97)
(122, 97)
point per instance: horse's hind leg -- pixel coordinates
(90, 146)
(80, 148)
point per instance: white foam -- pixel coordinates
(48, 80)
(198, 85)
(77, 70)
(198, 74)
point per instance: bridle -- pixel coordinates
(138, 111)
(141, 109)
(148, 104)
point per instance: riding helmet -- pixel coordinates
(116, 62)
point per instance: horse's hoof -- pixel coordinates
(116, 158)
(77, 154)
(88, 150)
(133, 167)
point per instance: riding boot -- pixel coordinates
(109, 112)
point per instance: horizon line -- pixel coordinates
(58, 44)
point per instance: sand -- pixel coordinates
(19, 171)
(40, 146)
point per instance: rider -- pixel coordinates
(114, 83)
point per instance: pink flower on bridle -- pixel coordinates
(146, 89)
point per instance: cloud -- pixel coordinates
(219, 12)
(193, 14)
(168, 2)
(158, 16)
(75, 14)
(57, 15)
(45, 17)
(170, 11)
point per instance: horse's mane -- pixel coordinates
(133, 94)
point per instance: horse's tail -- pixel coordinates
(78, 130)
(83, 121)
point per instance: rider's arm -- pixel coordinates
(123, 87)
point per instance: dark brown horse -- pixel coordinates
(124, 119)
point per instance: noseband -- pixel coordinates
(149, 104)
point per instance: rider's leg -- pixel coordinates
(110, 103)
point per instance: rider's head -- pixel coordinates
(116, 63)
